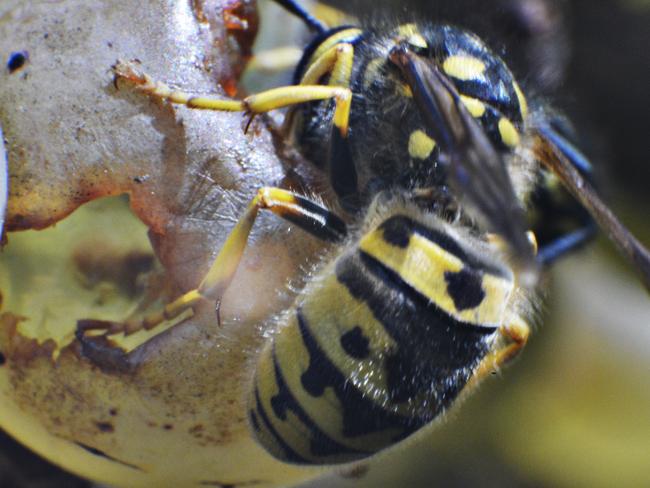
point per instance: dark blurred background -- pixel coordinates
(574, 411)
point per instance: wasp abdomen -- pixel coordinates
(369, 354)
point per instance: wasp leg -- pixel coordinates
(561, 224)
(337, 61)
(514, 336)
(275, 60)
(308, 215)
(564, 244)
(170, 311)
(565, 161)
(265, 101)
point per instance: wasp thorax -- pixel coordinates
(389, 144)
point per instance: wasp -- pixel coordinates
(432, 151)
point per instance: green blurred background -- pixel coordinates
(575, 409)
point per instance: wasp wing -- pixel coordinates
(567, 163)
(477, 170)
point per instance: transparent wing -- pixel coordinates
(477, 170)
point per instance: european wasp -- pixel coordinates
(434, 156)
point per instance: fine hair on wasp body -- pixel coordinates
(433, 151)
(424, 310)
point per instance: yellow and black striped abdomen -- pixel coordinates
(378, 346)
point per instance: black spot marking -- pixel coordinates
(96, 452)
(355, 344)
(360, 415)
(168, 426)
(289, 453)
(17, 60)
(398, 230)
(320, 443)
(465, 288)
(436, 353)
(113, 412)
(3, 359)
(105, 427)
(416, 309)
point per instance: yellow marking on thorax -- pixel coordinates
(475, 106)
(412, 35)
(423, 264)
(523, 104)
(372, 71)
(508, 132)
(346, 35)
(420, 145)
(405, 90)
(464, 67)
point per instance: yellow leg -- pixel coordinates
(337, 61)
(261, 102)
(305, 213)
(308, 215)
(275, 60)
(515, 335)
(501, 244)
(170, 311)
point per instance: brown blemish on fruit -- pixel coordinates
(106, 427)
(17, 348)
(356, 472)
(97, 261)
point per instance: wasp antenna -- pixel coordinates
(295, 8)
(575, 157)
